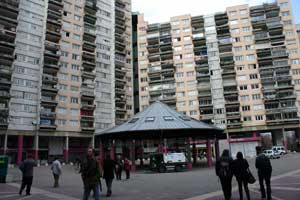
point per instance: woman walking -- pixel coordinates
(240, 170)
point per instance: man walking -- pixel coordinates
(27, 174)
(264, 170)
(108, 168)
(127, 167)
(91, 174)
(224, 172)
(56, 170)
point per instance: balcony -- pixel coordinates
(48, 101)
(47, 115)
(47, 124)
(49, 79)
(4, 94)
(49, 88)
(3, 123)
(88, 74)
(87, 92)
(5, 82)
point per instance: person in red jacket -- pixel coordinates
(127, 167)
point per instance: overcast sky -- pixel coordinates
(162, 10)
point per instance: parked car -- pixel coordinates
(280, 149)
(171, 161)
(271, 154)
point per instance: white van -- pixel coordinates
(279, 149)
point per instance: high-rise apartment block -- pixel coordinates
(238, 69)
(65, 72)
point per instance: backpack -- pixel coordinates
(224, 170)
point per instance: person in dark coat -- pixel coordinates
(240, 170)
(108, 169)
(224, 172)
(264, 170)
(119, 168)
(27, 174)
(91, 174)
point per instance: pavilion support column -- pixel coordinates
(66, 150)
(5, 144)
(20, 149)
(36, 147)
(165, 147)
(208, 153)
(132, 156)
(195, 152)
(112, 150)
(217, 149)
(100, 153)
(189, 154)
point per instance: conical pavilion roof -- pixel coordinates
(159, 117)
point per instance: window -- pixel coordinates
(252, 66)
(186, 30)
(144, 79)
(248, 38)
(243, 11)
(243, 87)
(180, 84)
(178, 48)
(246, 118)
(258, 107)
(144, 98)
(258, 117)
(239, 58)
(256, 96)
(284, 4)
(61, 122)
(62, 111)
(250, 57)
(237, 39)
(244, 97)
(286, 13)
(67, 4)
(180, 103)
(295, 61)
(246, 29)
(254, 86)
(242, 78)
(78, 9)
(75, 78)
(144, 88)
(189, 74)
(149, 119)
(76, 46)
(76, 37)
(179, 75)
(244, 20)
(189, 46)
(240, 67)
(180, 94)
(248, 47)
(291, 42)
(178, 39)
(245, 108)
(253, 76)
(75, 67)
(64, 53)
(62, 87)
(232, 13)
(63, 76)
(77, 18)
(287, 22)
(219, 111)
(74, 100)
(74, 123)
(239, 48)
(192, 93)
(62, 98)
(193, 112)
(296, 71)
(289, 32)
(233, 22)
(187, 38)
(75, 56)
(66, 33)
(235, 30)
(193, 103)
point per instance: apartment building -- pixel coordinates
(237, 69)
(58, 74)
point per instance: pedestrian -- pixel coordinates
(264, 170)
(224, 172)
(127, 167)
(240, 170)
(27, 174)
(91, 174)
(108, 175)
(56, 170)
(119, 168)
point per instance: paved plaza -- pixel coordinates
(197, 184)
